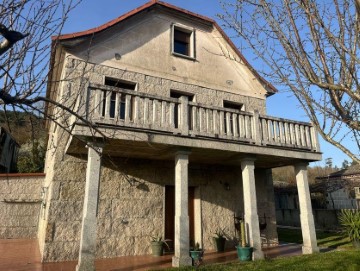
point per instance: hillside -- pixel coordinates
(22, 126)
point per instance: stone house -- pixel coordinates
(170, 138)
(342, 188)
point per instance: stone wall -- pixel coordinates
(20, 200)
(131, 207)
(151, 85)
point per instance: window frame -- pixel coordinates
(187, 30)
(121, 112)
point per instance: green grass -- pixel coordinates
(347, 259)
(325, 239)
(336, 260)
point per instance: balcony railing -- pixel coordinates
(131, 109)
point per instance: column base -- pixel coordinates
(309, 250)
(181, 261)
(258, 254)
(86, 264)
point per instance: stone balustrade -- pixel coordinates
(131, 109)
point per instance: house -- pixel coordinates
(342, 188)
(170, 138)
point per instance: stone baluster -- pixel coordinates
(184, 115)
(302, 135)
(292, 134)
(314, 139)
(287, 133)
(107, 104)
(136, 109)
(146, 110)
(235, 125)
(221, 122)
(216, 122)
(172, 115)
(241, 121)
(256, 127)
(127, 108)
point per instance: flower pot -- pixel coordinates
(244, 253)
(157, 248)
(219, 244)
(196, 256)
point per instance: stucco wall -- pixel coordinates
(131, 207)
(144, 45)
(20, 199)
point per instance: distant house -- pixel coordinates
(9, 149)
(341, 188)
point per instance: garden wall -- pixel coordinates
(324, 219)
(20, 200)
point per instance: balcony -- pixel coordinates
(135, 112)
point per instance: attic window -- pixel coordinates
(183, 42)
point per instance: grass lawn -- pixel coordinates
(330, 261)
(347, 259)
(325, 239)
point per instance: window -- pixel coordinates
(119, 84)
(183, 42)
(233, 106)
(177, 95)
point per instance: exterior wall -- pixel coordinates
(20, 200)
(144, 45)
(131, 207)
(148, 84)
(340, 199)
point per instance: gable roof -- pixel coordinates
(83, 34)
(352, 170)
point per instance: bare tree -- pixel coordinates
(312, 49)
(26, 28)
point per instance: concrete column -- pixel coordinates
(89, 219)
(306, 215)
(250, 207)
(181, 253)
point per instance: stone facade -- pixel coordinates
(131, 206)
(20, 200)
(78, 72)
(138, 159)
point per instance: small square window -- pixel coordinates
(183, 42)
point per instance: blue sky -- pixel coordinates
(91, 14)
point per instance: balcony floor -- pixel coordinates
(23, 255)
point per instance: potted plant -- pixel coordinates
(350, 221)
(244, 251)
(157, 246)
(219, 240)
(196, 254)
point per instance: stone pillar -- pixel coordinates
(182, 235)
(89, 219)
(250, 207)
(306, 215)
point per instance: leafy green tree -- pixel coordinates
(32, 156)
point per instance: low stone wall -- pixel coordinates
(324, 219)
(20, 200)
